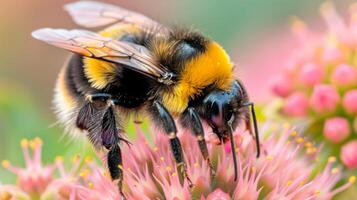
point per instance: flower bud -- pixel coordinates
(350, 101)
(296, 105)
(349, 154)
(336, 129)
(311, 74)
(331, 54)
(344, 75)
(218, 194)
(324, 98)
(282, 86)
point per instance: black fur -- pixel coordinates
(176, 149)
(191, 120)
(114, 159)
(109, 129)
(77, 82)
(84, 117)
(185, 45)
(163, 118)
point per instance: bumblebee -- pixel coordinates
(137, 66)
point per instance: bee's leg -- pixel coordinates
(90, 111)
(163, 118)
(251, 111)
(98, 118)
(115, 165)
(110, 140)
(191, 120)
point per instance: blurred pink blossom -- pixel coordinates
(311, 74)
(324, 98)
(282, 86)
(296, 104)
(336, 129)
(344, 75)
(323, 67)
(350, 101)
(217, 195)
(349, 154)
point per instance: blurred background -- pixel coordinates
(254, 32)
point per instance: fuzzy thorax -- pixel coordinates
(213, 67)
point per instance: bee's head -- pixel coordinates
(222, 109)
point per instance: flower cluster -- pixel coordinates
(38, 181)
(284, 171)
(320, 82)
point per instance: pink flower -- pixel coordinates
(285, 169)
(336, 129)
(324, 98)
(350, 101)
(282, 86)
(331, 54)
(296, 104)
(311, 74)
(36, 181)
(344, 75)
(218, 194)
(349, 154)
(157, 178)
(34, 178)
(325, 69)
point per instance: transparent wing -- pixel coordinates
(93, 45)
(93, 14)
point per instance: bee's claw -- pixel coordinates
(183, 170)
(120, 188)
(190, 184)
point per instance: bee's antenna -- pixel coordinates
(233, 147)
(255, 124)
